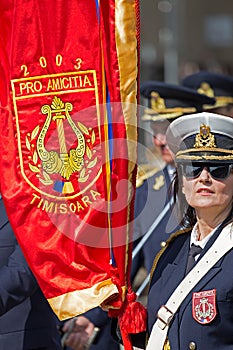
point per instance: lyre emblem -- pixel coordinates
(204, 138)
(62, 163)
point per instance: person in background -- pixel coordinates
(26, 319)
(216, 85)
(197, 259)
(166, 103)
(83, 331)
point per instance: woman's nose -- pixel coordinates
(205, 175)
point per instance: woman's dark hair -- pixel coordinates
(186, 213)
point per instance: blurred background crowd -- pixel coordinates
(180, 37)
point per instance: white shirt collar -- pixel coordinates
(194, 237)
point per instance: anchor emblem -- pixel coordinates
(204, 309)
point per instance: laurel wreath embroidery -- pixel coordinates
(35, 167)
(44, 177)
(90, 153)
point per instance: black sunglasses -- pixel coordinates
(218, 172)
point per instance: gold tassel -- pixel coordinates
(166, 345)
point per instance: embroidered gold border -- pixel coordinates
(171, 110)
(168, 113)
(205, 157)
(126, 46)
(205, 149)
(183, 154)
(221, 101)
(159, 117)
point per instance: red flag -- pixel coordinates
(68, 77)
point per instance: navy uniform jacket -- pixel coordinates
(151, 198)
(26, 320)
(185, 332)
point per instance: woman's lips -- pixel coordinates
(204, 191)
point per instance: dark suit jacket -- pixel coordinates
(26, 320)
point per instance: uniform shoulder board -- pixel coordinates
(144, 172)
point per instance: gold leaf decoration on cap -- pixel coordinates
(205, 89)
(204, 138)
(157, 102)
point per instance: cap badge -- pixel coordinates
(204, 306)
(204, 138)
(205, 89)
(157, 102)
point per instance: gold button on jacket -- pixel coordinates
(192, 345)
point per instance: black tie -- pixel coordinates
(193, 251)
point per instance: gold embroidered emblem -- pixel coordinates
(204, 138)
(53, 162)
(159, 182)
(58, 139)
(157, 102)
(64, 163)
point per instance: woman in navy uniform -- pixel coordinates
(198, 259)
